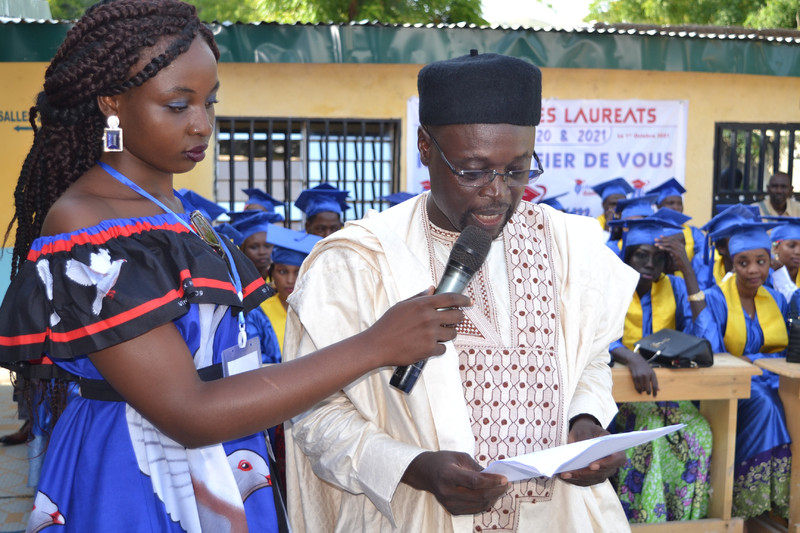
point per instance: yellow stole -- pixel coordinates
(689, 237)
(662, 300)
(274, 310)
(602, 220)
(768, 314)
(719, 268)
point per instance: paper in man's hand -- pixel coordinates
(574, 456)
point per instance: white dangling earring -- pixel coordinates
(112, 135)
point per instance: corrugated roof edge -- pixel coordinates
(733, 50)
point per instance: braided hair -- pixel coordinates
(94, 60)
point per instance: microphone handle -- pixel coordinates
(454, 280)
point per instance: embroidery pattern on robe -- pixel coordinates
(513, 393)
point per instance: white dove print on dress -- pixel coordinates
(44, 513)
(250, 470)
(43, 269)
(102, 273)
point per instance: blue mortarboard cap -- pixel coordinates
(754, 208)
(398, 197)
(641, 206)
(744, 236)
(671, 187)
(253, 221)
(259, 197)
(291, 247)
(736, 213)
(553, 201)
(229, 231)
(646, 230)
(615, 186)
(193, 201)
(788, 228)
(665, 213)
(323, 197)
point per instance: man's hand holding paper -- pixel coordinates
(577, 456)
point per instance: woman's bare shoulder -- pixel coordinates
(78, 207)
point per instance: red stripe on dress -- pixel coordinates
(101, 237)
(103, 325)
(250, 289)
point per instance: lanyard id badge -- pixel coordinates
(237, 359)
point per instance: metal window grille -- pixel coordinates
(283, 156)
(747, 154)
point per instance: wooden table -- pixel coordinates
(789, 391)
(718, 388)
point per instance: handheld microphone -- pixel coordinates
(468, 254)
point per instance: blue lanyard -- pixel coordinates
(233, 273)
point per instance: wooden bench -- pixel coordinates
(718, 388)
(789, 391)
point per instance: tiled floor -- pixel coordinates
(16, 498)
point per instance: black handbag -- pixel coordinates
(675, 349)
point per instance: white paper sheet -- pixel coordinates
(573, 456)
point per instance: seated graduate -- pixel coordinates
(628, 209)
(666, 479)
(611, 192)
(751, 322)
(786, 256)
(252, 227)
(290, 250)
(670, 195)
(715, 263)
(323, 206)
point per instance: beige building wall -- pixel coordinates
(381, 91)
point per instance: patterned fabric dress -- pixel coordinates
(107, 468)
(761, 475)
(666, 479)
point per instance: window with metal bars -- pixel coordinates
(747, 154)
(283, 156)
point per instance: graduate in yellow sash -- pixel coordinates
(751, 322)
(670, 195)
(668, 478)
(715, 261)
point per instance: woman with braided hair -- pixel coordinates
(143, 305)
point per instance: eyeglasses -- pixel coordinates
(482, 178)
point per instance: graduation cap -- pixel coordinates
(553, 201)
(191, 201)
(788, 228)
(744, 236)
(615, 186)
(665, 213)
(290, 247)
(397, 197)
(323, 197)
(646, 230)
(259, 197)
(671, 187)
(735, 214)
(753, 208)
(253, 221)
(229, 231)
(641, 206)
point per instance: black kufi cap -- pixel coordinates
(480, 89)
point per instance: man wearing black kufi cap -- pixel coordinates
(529, 368)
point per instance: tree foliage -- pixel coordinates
(337, 11)
(748, 13)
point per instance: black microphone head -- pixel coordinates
(471, 248)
